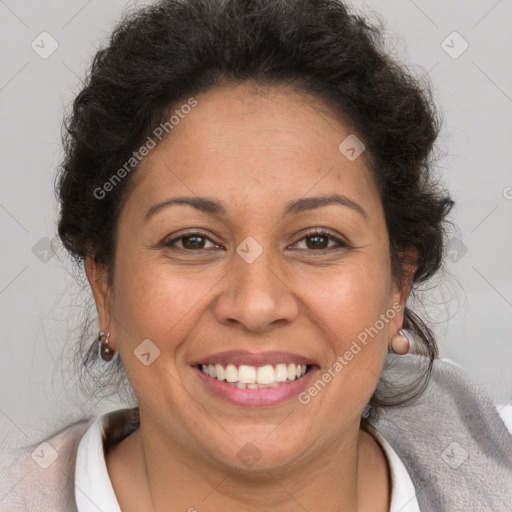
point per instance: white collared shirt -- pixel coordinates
(94, 491)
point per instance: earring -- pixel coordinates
(104, 351)
(400, 344)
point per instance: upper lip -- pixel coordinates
(238, 357)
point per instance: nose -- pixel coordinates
(256, 296)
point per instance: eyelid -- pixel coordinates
(184, 234)
(305, 234)
(323, 232)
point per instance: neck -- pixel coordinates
(150, 472)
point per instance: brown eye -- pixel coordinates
(317, 242)
(320, 240)
(191, 241)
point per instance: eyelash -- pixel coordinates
(309, 234)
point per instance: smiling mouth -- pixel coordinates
(255, 377)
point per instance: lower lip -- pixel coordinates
(257, 397)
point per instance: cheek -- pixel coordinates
(152, 299)
(349, 307)
(153, 302)
(348, 310)
(350, 298)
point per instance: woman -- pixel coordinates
(249, 187)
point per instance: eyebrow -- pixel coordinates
(203, 204)
(211, 206)
(311, 203)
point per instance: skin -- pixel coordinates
(253, 149)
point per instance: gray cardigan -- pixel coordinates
(452, 441)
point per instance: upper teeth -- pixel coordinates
(246, 374)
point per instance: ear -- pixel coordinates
(97, 275)
(409, 262)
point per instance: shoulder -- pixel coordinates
(451, 439)
(452, 395)
(40, 476)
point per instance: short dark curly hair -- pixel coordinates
(171, 50)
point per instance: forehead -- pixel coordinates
(251, 140)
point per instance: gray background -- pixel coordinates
(40, 302)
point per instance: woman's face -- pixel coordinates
(253, 277)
